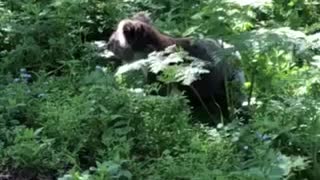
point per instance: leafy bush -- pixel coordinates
(47, 36)
(63, 114)
(96, 119)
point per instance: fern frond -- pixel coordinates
(175, 65)
(188, 74)
(158, 62)
(137, 65)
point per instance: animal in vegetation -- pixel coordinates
(216, 91)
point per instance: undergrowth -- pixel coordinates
(63, 114)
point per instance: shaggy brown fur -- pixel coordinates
(138, 35)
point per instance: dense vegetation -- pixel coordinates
(64, 115)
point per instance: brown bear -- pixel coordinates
(216, 91)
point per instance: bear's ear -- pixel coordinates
(133, 31)
(128, 29)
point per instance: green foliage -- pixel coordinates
(64, 116)
(96, 118)
(175, 66)
(49, 35)
(297, 13)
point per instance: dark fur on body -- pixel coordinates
(137, 35)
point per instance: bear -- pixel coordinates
(218, 91)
